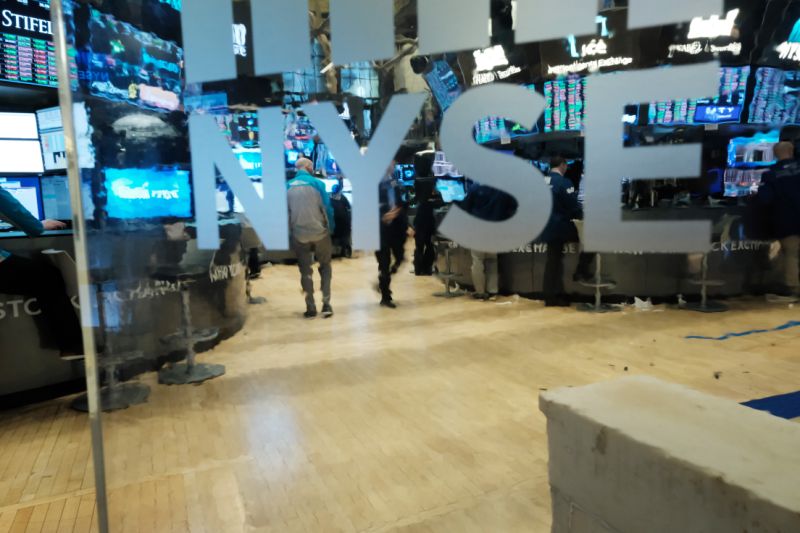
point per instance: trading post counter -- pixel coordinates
(742, 265)
(141, 281)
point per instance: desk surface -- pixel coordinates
(21, 235)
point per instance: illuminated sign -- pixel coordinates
(698, 47)
(713, 27)
(588, 66)
(489, 59)
(11, 20)
(240, 40)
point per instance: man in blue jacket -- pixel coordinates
(780, 192)
(311, 223)
(559, 231)
(24, 277)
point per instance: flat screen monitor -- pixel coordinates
(21, 157)
(250, 160)
(742, 182)
(451, 190)
(565, 106)
(136, 194)
(27, 54)
(292, 156)
(755, 151)
(444, 84)
(776, 99)
(18, 126)
(26, 191)
(405, 174)
(51, 135)
(725, 108)
(55, 198)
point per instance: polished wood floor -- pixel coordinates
(422, 419)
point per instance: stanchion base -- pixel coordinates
(451, 294)
(602, 309)
(709, 307)
(198, 335)
(180, 374)
(256, 300)
(115, 399)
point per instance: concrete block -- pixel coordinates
(639, 455)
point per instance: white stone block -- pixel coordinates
(639, 455)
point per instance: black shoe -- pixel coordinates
(388, 304)
(311, 313)
(480, 296)
(557, 302)
(327, 311)
(395, 269)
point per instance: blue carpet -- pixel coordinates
(727, 336)
(785, 406)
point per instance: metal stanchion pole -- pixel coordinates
(81, 259)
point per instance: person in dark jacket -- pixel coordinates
(780, 192)
(394, 232)
(492, 205)
(559, 231)
(428, 200)
(343, 217)
(24, 277)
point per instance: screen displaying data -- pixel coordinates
(26, 192)
(55, 198)
(27, 52)
(726, 107)
(148, 193)
(444, 84)
(51, 134)
(564, 104)
(776, 99)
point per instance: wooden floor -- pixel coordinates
(423, 419)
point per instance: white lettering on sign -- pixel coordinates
(489, 59)
(596, 47)
(482, 78)
(588, 66)
(697, 47)
(713, 27)
(240, 40)
(22, 22)
(280, 46)
(789, 51)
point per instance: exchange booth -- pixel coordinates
(145, 269)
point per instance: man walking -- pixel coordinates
(780, 192)
(559, 231)
(311, 222)
(394, 233)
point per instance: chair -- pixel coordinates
(187, 337)
(598, 284)
(115, 395)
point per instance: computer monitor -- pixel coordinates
(291, 158)
(140, 194)
(444, 84)
(55, 198)
(51, 135)
(27, 191)
(18, 126)
(405, 174)
(452, 190)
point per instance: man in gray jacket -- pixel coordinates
(311, 223)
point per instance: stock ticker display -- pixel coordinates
(726, 107)
(27, 52)
(565, 106)
(776, 99)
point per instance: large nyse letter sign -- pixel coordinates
(281, 42)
